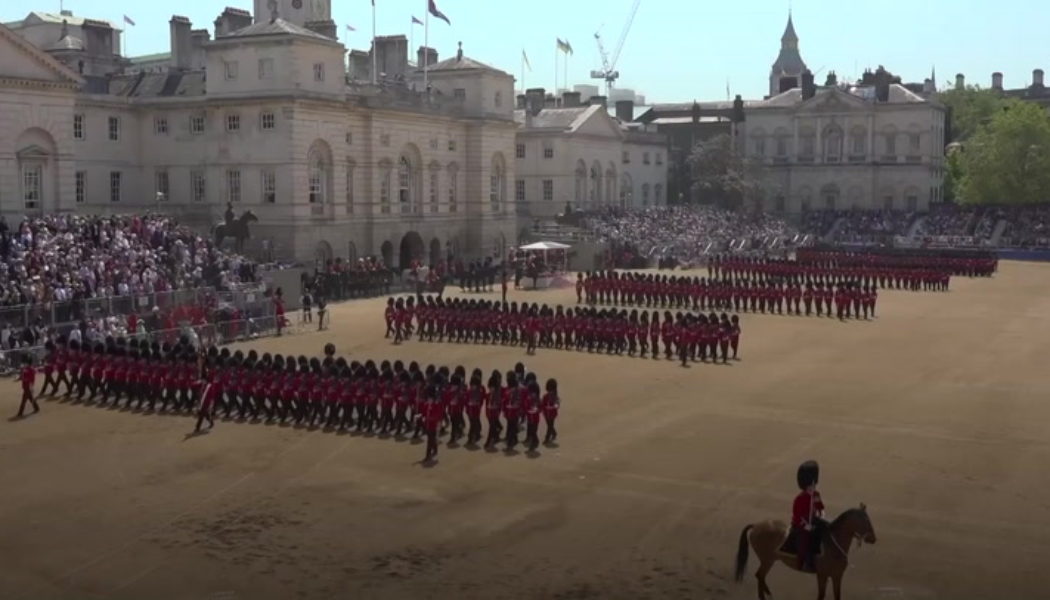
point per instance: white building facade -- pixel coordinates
(263, 117)
(872, 145)
(573, 154)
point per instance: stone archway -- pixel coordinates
(435, 252)
(351, 253)
(412, 248)
(387, 252)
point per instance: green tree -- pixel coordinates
(953, 174)
(721, 175)
(1008, 159)
(970, 108)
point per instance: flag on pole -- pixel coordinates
(350, 27)
(129, 21)
(564, 46)
(416, 21)
(436, 13)
(525, 58)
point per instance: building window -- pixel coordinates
(233, 185)
(197, 187)
(452, 191)
(914, 143)
(349, 138)
(519, 190)
(384, 139)
(658, 193)
(645, 158)
(548, 190)
(318, 179)
(452, 145)
(197, 124)
(660, 157)
(114, 186)
(233, 122)
(498, 100)
(32, 186)
(760, 146)
(459, 94)
(548, 151)
(626, 157)
(269, 186)
(645, 194)
(384, 191)
(78, 127)
(404, 185)
(809, 146)
(265, 68)
(161, 185)
(81, 186)
(496, 187)
(160, 125)
(231, 69)
(350, 187)
(318, 71)
(114, 128)
(267, 121)
(782, 146)
(519, 150)
(858, 145)
(435, 191)
(891, 144)
(833, 145)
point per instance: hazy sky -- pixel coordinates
(677, 50)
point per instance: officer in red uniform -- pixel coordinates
(433, 414)
(807, 511)
(28, 379)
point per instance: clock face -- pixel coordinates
(297, 3)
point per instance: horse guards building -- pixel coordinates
(272, 116)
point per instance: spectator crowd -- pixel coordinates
(66, 257)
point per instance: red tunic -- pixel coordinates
(805, 507)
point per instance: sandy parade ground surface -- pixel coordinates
(936, 415)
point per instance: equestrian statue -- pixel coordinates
(236, 228)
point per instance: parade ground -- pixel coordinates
(936, 415)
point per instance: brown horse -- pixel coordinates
(767, 537)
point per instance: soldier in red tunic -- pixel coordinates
(806, 515)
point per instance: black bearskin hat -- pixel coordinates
(808, 474)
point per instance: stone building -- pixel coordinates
(262, 116)
(873, 144)
(571, 153)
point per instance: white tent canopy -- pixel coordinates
(545, 246)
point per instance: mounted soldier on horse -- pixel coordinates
(236, 228)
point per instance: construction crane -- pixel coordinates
(608, 73)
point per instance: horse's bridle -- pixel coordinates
(845, 553)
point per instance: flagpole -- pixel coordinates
(375, 51)
(556, 50)
(426, 43)
(411, 40)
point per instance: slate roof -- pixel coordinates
(50, 17)
(554, 118)
(461, 64)
(151, 85)
(276, 27)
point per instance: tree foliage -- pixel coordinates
(970, 108)
(1007, 160)
(721, 175)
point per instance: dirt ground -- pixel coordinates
(935, 415)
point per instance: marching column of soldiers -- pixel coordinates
(386, 398)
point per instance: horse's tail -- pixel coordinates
(741, 555)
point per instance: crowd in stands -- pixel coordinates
(948, 220)
(66, 257)
(863, 227)
(1028, 227)
(682, 233)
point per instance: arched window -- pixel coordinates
(434, 191)
(350, 166)
(319, 173)
(497, 184)
(610, 185)
(858, 144)
(626, 191)
(596, 185)
(645, 194)
(453, 176)
(317, 181)
(658, 194)
(384, 186)
(404, 184)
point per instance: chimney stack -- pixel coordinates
(570, 99)
(426, 56)
(928, 87)
(809, 89)
(625, 110)
(997, 81)
(602, 100)
(960, 81)
(550, 101)
(520, 105)
(832, 80)
(534, 99)
(231, 20)
(1037, 78)
(180, 42)
(882, 85)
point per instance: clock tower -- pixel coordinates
(315, 15)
